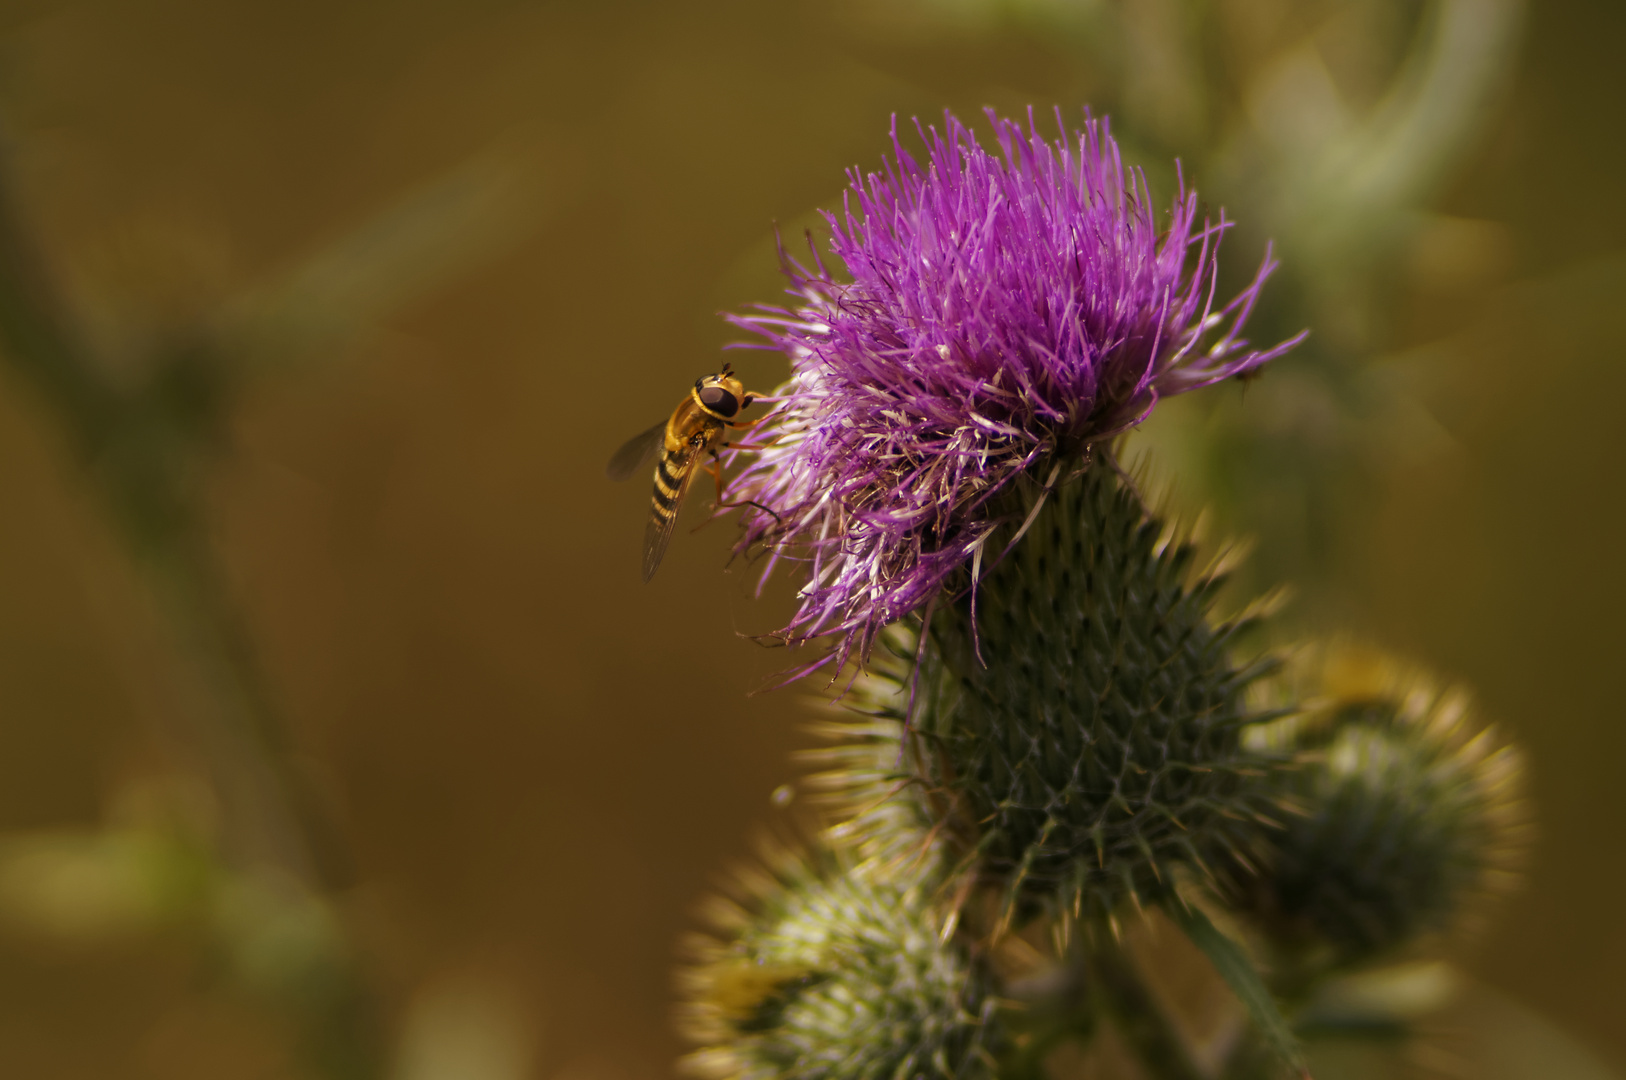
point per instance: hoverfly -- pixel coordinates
(694, 428)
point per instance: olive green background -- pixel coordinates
(540, 764)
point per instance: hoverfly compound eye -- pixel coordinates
(719, 401)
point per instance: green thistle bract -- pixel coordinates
(837, 970)
(1083, 744)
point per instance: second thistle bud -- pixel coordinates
(1408, 814)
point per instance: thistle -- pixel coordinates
(1005, 312)
(1409, 816)
(1079, 742)
(1064, 726)
(836, 969)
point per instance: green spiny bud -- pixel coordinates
(837, 969)
(1409, 816)
(1078, 740)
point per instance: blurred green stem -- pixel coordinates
(146, 448)
(142, 457)
(1152, 1034)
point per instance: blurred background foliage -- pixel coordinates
(337, 736)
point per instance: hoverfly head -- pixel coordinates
(722, 395)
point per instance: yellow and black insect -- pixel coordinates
(694, 429)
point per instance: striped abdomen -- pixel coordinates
(688, 435)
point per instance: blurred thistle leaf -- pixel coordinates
(91, 886)
(1441, 103)
(1341, 193)
(157, 871)
(1425, 1021)
(1380, 997)
(126, 881)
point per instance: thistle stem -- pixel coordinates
(1148, 1029)
(145, 450)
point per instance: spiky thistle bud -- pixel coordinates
(1077, 742)
(1409, 815)
(836, 969)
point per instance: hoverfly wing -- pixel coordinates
(635, 453)
(672, 478)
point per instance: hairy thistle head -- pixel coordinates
(836, 969)
(999, 309)
(1078, 742)
(1408, 814)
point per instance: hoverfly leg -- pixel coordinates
(745, 403)
(717, 474)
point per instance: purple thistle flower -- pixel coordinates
(1005, 313)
